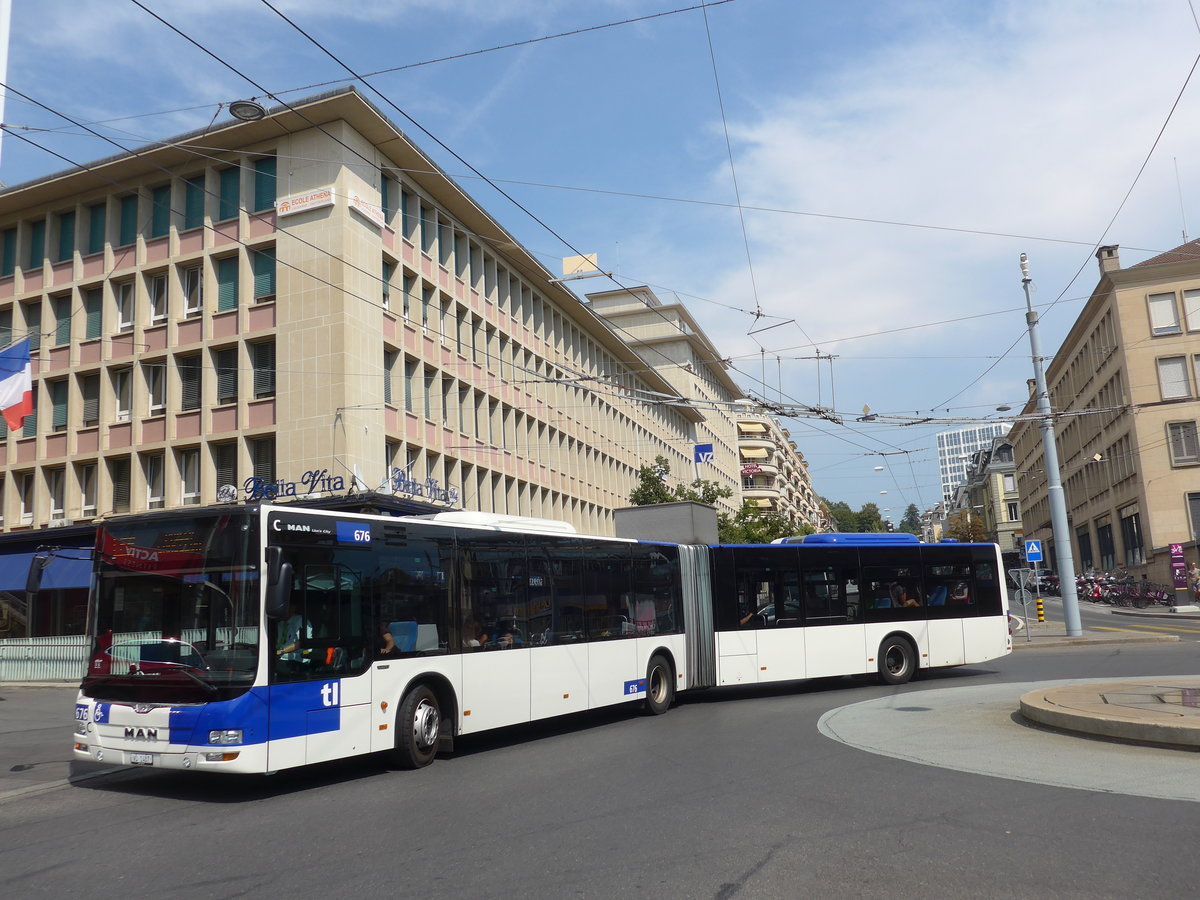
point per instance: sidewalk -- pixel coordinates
(1054, 634)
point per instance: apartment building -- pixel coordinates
(775, 475)
(670, 341)
(990, 493)
(1124, 389)
(301, 308)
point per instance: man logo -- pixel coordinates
(141, 734)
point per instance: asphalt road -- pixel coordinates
(735, 793)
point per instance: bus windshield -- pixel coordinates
(175, 612)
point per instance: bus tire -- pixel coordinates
(897, 662)
(418, 728)
(660, 685)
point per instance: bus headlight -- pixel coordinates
(228, 736)
(81, 727)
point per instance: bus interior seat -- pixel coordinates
(938, 597)
(404, 634)
(426, 637)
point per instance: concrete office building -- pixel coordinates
(302, 307)
(1124, 388)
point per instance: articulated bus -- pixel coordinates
(258, 638)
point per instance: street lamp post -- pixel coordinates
(1054, 488)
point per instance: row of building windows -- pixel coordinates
(119, 393)
(1173, 312)
(150, 298)
(186, 203)
(1105, 556)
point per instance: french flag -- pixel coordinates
(16, 384)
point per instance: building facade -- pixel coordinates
(775, 474)
(990, 492)
(1124, 389)
(303, 308)
(670, 341)
(955, 449)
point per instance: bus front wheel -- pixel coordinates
(660, 686)
(418, 727)
(896, 661)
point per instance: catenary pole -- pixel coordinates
(1054, 488)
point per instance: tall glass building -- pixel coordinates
(955, 449)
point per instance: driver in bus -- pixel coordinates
(291, 657)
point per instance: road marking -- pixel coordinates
(1164, 628)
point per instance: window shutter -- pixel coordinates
(264, 368)
(263, 451)
(37, 244)
(94, 309)
(160, 211)
(189, 381)
(8, 262)
(91, 399)
(66, 236)
(264, 273)
(264, 184)
(62, 320)
(227, 380)
(97, 216)
(119, 469)
(193, 202)
(229, 193)
(129, 222)
(225, 462)
(227, 283)
(58, 397)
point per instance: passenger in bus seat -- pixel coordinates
(900, 596)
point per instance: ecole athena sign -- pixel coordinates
(320, 481)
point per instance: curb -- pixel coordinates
(1020, 643)
(1041, 707)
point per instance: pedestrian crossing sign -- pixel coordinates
(1033, 551)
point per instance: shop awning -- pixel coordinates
(752, 427)
(71, 567)
(755, 453)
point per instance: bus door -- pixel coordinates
(320, 694)
(835, 640)
(495, 615)
(948, 584)
(768, 596)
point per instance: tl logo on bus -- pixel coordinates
(329, 694)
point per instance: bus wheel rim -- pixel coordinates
(425, 724)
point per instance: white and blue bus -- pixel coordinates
(259, 638)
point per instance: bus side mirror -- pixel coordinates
(279, 584)
(37, 565)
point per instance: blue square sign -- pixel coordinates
(1033, 551)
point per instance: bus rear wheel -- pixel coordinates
(418, 728)
(897, 662)
(660, 686)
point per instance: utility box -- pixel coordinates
(685, 522)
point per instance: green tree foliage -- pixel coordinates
(848, 520)
(747, 526)
(652, 487)
(912, 520)
(962, 526)
(752, 526)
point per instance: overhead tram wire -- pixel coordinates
(449, 150)
(1107, 228)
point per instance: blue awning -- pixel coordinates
(70, 567)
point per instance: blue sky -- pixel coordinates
(1012, 118)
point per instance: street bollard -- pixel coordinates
(1041, 610)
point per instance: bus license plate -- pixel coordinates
(141, 759)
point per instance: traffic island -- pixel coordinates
(1160, 713)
